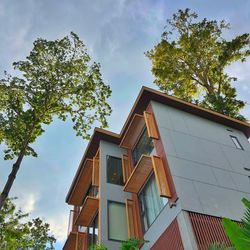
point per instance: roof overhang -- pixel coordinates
(147, 94)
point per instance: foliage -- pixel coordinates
(18, 235)
(220, 246)
(190, 60)
(239, 234)
(131, 244)
(57, 80)
(98, 247)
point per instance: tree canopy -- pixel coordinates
(57, 79)
(190, 60)
(15, 234)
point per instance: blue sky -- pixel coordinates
(116, 33)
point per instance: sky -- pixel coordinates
(116, 34)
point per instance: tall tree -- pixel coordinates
(190, 60)
(57, 79)
(15, 234)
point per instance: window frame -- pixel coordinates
(145, 209)
(115, 157)
(136, 143)
(108, 217)
(93, 235)
(236, 142)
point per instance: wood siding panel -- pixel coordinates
(81, 241)
(139, 175)
(208, 230)
(96, 172)
(134, 130)
(151, 125)
(170, 239)
(132, 219)
(126, 168)
(82, 183)
(161, 178)
(89, 209)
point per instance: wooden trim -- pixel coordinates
(96, 172)
(88, 212)
(126, 168)
(132, 220)
(76, 241)
(82, 184)
(151, 125)
(132, 133)
(81, 241)
(161, 178)
(139, 175)
(161, 152)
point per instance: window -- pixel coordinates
(114, 170)
(92, 191)
(117, 221)
(236, 142)
(93, 232)
(150, 202)
(144, 146)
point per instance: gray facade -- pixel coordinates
(109, 192)
(207, 169)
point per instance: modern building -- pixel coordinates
(169, 177)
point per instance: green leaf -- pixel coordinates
(190, 60)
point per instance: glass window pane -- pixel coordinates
(151, 202)
(114, 170)
(236, 142)
(118, 229)
(93, 232)
(145, 146)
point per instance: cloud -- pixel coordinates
(58, 226)
(26, 201)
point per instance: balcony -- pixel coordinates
(145, 166)
(88, 211)
(139, 175)
(135, 128)
(77, 238)
(82, 183)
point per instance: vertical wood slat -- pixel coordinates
(151, 125)
(95, 175)
(81, 241)
(132, 221)
(126, 168)
(208, 229)
(161, 177)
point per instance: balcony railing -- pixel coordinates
(88, 211)
(77, 236)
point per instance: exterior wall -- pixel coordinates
(161, 223)
(109, 191)
(207, 168)
(170, 239)
(208, 230)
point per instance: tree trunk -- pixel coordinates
(12, 177)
